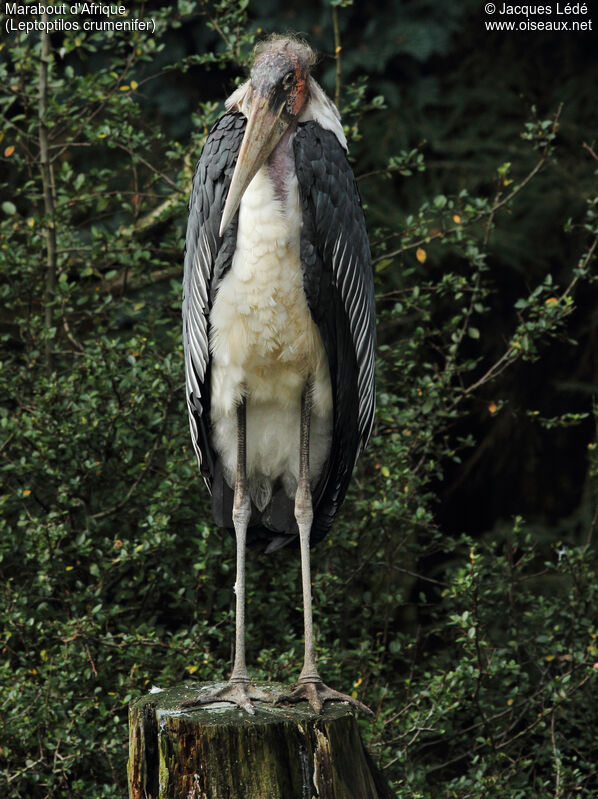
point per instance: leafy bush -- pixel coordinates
(476, 647)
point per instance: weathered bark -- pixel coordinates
(221, 752)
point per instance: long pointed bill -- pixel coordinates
(264, 130)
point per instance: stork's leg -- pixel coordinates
(241, 514)
(239, 690)
(304, 515)
(309, 684)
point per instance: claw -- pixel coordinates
(316, 693)
(237, 693)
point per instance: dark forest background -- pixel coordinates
(457, 594)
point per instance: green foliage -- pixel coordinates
(475, 644)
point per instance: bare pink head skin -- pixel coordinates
(279, 91)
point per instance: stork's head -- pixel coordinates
(272, 100)
(280, 74)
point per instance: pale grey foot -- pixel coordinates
(236, 692)
(316, 693)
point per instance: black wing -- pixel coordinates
(338, 283)
(207, 259)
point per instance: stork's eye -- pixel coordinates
(288, 80)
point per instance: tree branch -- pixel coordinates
(590, 150)
(49, 207)
(337, 55)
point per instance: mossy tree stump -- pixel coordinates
(219, 751)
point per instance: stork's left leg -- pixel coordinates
(309, 684)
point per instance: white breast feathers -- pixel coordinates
(265, 345)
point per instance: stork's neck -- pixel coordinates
(281, 163)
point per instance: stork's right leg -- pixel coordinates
(239, 690)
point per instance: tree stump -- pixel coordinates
(219, 751)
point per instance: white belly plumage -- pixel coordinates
(265, 344)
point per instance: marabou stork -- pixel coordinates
(278, 327)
